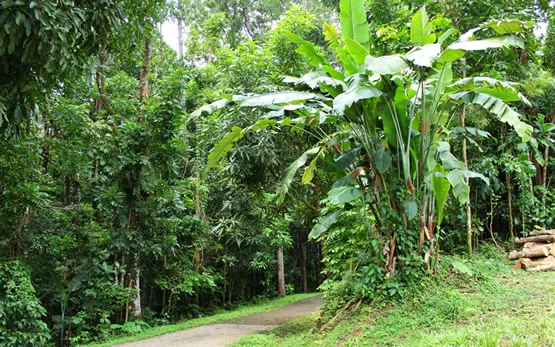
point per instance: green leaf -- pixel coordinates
(347, 159)
(441, 187)
(510, 26)
(425, 55)
(353, 21)
(446, 35)
(211, 108)
(462, 268)
(291, 171)
(324, 224)
(460, 188)
(386, 65)
(275, 99)
(505, 91)
(344, 194)
(382, 160)
(308, 174)
(353, 95)
(224, 146)
(496, 42)
(314, 58)
(358, 52)
(411, 209)
(496, 106)
(420, 29)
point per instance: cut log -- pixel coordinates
(529, 264)
(531, 245)
(539, 239)
(542, 232)
(518, 264)
(543, 267)
(538, 252)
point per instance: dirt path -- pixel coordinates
(214, 335)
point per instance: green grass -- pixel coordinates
(218, 317)
(492, 306)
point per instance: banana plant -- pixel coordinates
(390, 117)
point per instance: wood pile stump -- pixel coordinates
(538, 251)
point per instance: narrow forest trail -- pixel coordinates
(225, 333)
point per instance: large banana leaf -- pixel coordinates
(509, 26)
(223, 147)
(324, 224)
(275, 99)
(387, 64)
(315, 59)
(420, 28)
(291, 171)
(353, 21)
(344, 194)
(458, 49)
(496, 106)
(353, 95)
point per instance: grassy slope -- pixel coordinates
(492, 307)
(219, 317)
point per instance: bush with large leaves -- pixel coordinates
(389, 118)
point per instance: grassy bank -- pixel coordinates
(478, 303)
(216, 318)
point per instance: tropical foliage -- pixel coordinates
(285, 146)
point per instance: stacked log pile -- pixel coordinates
(538, 251)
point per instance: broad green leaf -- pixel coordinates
(324, 224)
(382, 160)
(472, 174)
(411, 209)
(353, 21)
(309, 172)
(460, 188)
(496, 42)
(221, 149)
(451, 55)
(344, 181)
(353, 95)
(315, 59)
(335, 41)
(446, 35)
(420, 29)
(425, 55)
(358, 52)
(386, 65)
(505, 91)
(496, 106)
(461, 267)
(291, 171)
(211, 108)
(508, 26)
(441, 187)
(450, 162)
(224, 146)
(347, 159)
(275, 99)
(344, 194)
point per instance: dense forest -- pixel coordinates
(286, 146)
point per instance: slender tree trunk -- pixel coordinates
(510, 202)
(304, 281)
(281, 272)
(137, 308)
(134, 218)
(467, 181)
(180, 29)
